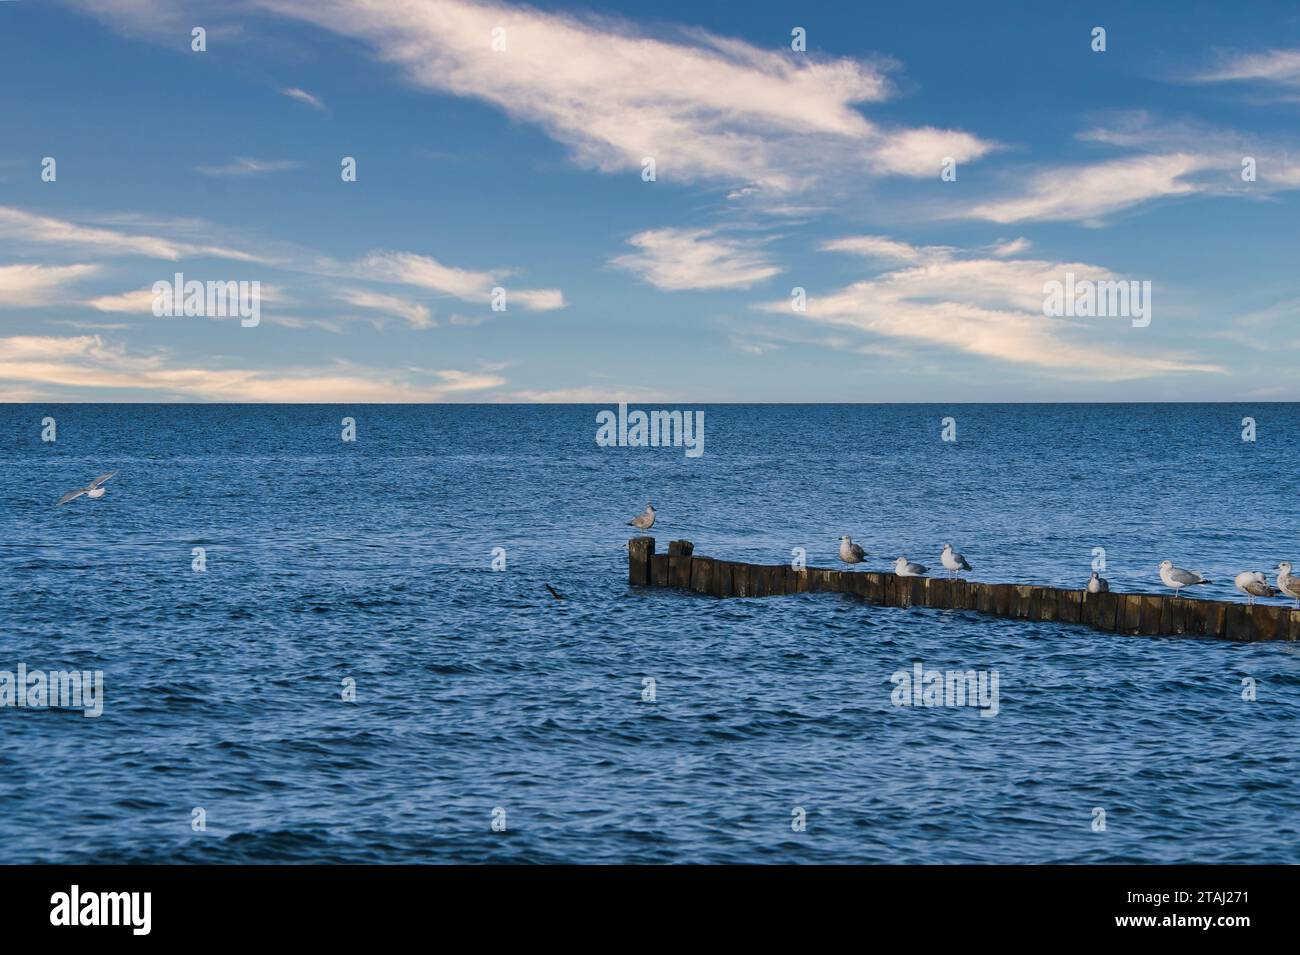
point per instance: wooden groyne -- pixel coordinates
(1146, 614)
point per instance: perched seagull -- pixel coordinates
(850, 552)
(1097, 584)
(1178, 578)
(954, 562)
(1253, 584)
(1288, 584)
(645, 520)
(905, 568)
(94, 490)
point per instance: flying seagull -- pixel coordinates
(850, 552)
(905, 568)
(94, 490)
(953, 561)
(1288, 584)
(1253, 584)
(1178, 578)
(645, 520)
(554, 593)
(1098, 584)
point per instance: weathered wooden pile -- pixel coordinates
(1148, 614)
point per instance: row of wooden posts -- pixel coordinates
(1147, 614)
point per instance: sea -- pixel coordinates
(319, 650)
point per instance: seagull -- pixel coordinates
(1253, 584)
(554, 593)
(645, 520)
(94, 490)
(1287, 584)
(850, 552)
(955, 562)
(1098, 584)
(905, 568)
(1178, 578)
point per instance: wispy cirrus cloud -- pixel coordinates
(678, 259)
(413, 313)
(1278, 66)
(173, 242)
(468, 285)
(45, 367)
(28, 285)
(986, 307)
(705, 107)
(302, 96)
(27, 228)
(246, 166)
(1087, 192)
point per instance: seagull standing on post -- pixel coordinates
(905, 568)
(1178, 578)
(1288, 584)
(1098, 584)
(953, 561)
(645, 520)
(1253, 584)
(850, 552)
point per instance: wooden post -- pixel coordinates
(639, 550)
(658, 570)
(679, 563)
(1145, 614)
(701, 574)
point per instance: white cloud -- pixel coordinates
(991, 308)
(302, 96)
(51, 366)
(1269, 66)
(705, 107)
(413, 313)
(423, 271)
(27, 228)
(678, 259)
(244, 166)
(1089, 191)
(401, 268)
(30, 285)
(889, 250)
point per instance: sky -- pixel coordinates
(921, 173)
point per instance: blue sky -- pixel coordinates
(521, 168)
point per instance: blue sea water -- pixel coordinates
(371, 562)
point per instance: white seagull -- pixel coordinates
(953, 561)
(905, 568)
(1288, 584)
(1253, 584)
(850, 552)
(1178, 578)
(645, 520)
(1098, 584)
(94, 490)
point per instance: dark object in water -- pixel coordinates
(1144, 614)
(555, 593)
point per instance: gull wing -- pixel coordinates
(101, 479)
(71, 496)
(1185, 576)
